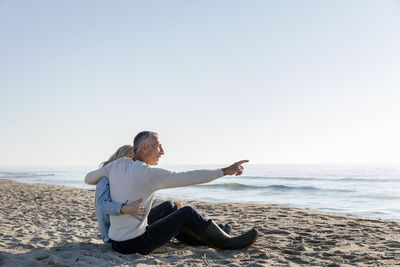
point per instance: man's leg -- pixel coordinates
(162, 230)
(160, 211)
(186, 236)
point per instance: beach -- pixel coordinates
(54, 225)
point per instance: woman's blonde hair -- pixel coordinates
(123, 151)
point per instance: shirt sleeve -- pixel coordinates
(94, 176)
(160, 178)
(111, 208)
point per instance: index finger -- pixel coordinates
(242, 161)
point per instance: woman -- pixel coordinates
(105, 207)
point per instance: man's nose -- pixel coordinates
(161, 150)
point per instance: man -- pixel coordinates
(132, 179)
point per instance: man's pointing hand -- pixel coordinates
(235, 168)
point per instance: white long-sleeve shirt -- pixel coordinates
(132, 180)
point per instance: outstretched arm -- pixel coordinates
(161, 178)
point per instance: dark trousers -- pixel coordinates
(162, 229)
(163, 209)
(160, 211)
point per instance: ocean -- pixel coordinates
(371, 191)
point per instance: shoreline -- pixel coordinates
(46, 224)
(164, 196)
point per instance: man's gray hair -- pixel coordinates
(140, 138)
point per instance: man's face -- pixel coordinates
(153, 151)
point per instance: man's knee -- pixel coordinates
(168, 206)
(187, 210)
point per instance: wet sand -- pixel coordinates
(44, 225)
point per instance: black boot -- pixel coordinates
(191, 238)
(215, 237)
(227, 228)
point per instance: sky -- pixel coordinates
(220, 81)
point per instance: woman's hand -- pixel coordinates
(236, 168)
(134, 209)
(178, 205)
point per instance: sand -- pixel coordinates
(48, 225)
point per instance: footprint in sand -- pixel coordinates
(36, 238)
(392, 244)
(45, 242)
(42, 257)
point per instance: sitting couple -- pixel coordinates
(133, 180)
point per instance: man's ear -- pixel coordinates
(143, 146)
